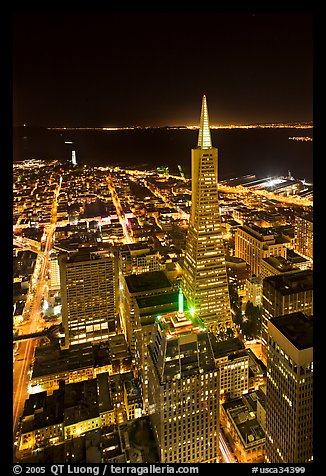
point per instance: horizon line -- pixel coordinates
(295, 125)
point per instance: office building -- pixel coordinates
(204, 282)
(184, 390)
(299, 261)
(88, 283)
(79, 362)
(146, 310)
(253, 243)
(132, 287)
(77, 408)
(303, 234)
(232, 361)
(73, 158)
(137, 258)
(238, 271)
(276, 265)
(254, 290)
(289, 393)
(285, 294)
(54, 272)
(257, 371)
(248, 437)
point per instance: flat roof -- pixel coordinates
(134, 246)
(104, 397)
(280, 263)
(225, 347)
(290, 283)
(148, 281)
(244, 418)
(295, 257)
(297, 328)
(255, 230)
(234, 259)
(80, 401)
(305, 215)
(46, 410)
(51, 360)
(158, 300)
(186, 348)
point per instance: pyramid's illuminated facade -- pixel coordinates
(205, 283)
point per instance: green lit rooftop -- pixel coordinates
(174, 324)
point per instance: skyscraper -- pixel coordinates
(88, 296)
(205, 283)
(184, 390)
(289, 393)
(285, 294)
(303, 234)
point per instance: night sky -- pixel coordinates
(151, 69)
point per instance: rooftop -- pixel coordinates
(234, 259)
(290, 283)
(241, 412)
(258, 231)
(280, 263)
(86, 253)
(42, 411)
(297, 328)
(174, 324)
(149, 281)
(157, 300)
(130, 247)
(294, 257)
(225, 347)
(305, 215)
(180, 347)
(104, 397)
(51, 360)
(80, 401)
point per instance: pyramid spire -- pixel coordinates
(204, 137)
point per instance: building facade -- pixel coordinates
(205, 283)
(135, 286)
(303, 234)
(289, 394)
(184, 391)
(54, 271)
(232, 361)
(88, 283)
(137, 258)
(248, 437)
(285, 294)
(253, 243)
(276, 265)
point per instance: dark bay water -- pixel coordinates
(262, 152)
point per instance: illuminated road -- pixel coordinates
(151, 187)
(122, 219)
(226, 453)
(24, 360)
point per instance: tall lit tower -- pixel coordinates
(289, 392)
(184, 390)
(205, 282)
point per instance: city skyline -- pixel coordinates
(141, 69)
(162, 316)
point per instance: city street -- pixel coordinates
(122, 219)
(23, 360)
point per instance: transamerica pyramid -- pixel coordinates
(204, 281)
